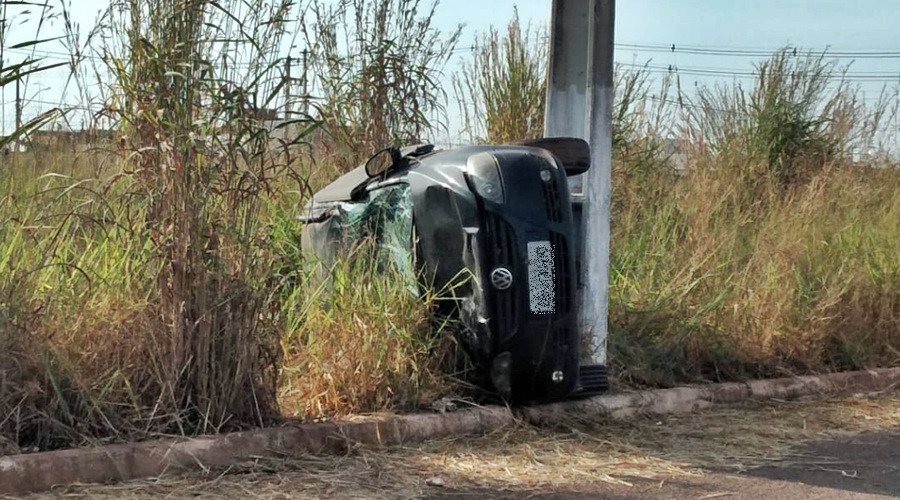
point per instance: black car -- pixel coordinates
(501, 218)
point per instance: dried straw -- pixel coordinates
(524, 458)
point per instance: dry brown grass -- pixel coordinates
(362, 342)
(720, 274)
(501, 88)
(527, 459)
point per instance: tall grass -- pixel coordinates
(379, 65)
(765, 254)
(358, 343)
(708, 285)
(156, 283)
(139, 298)
(204, 165)
(501, 89)
(800, 115)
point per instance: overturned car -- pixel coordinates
(500, 216)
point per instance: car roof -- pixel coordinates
(342, 188)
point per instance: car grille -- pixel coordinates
(552, 201)
(501, 247)
(592, 379)
(563, 273)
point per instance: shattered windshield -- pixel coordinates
(384, 219)
(387, 219)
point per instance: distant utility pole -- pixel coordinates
(288, 81)
(304, 82)
(579, 104)
(18, 103)
(18, 110)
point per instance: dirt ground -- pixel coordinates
(846, 447)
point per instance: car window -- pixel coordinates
(385, 218)
(388, 220)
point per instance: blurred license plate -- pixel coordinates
(541, 279)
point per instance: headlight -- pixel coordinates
(484, 171)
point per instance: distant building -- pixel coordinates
(65, 139)
(57, 138)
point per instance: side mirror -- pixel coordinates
(382, 161)
(574, 154)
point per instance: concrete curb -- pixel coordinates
(20, 474)
(688, 399)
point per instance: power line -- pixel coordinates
(700, 71)
(61, 105)
(708, 50)
(46, 54)
(719, 51)
(725, 51)
(652, 48)
(744, 48)
(738, 73)
(682, 102)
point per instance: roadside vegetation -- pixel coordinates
(155, 285)
(766, 244)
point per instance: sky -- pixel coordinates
(861, 26)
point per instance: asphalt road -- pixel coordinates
(866, 466)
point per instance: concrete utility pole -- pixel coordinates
(579, 104)
(566, 111)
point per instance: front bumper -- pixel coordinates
(532, 323)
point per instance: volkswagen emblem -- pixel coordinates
(501, 278)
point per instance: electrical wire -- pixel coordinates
(700, 71)
(714, 51)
